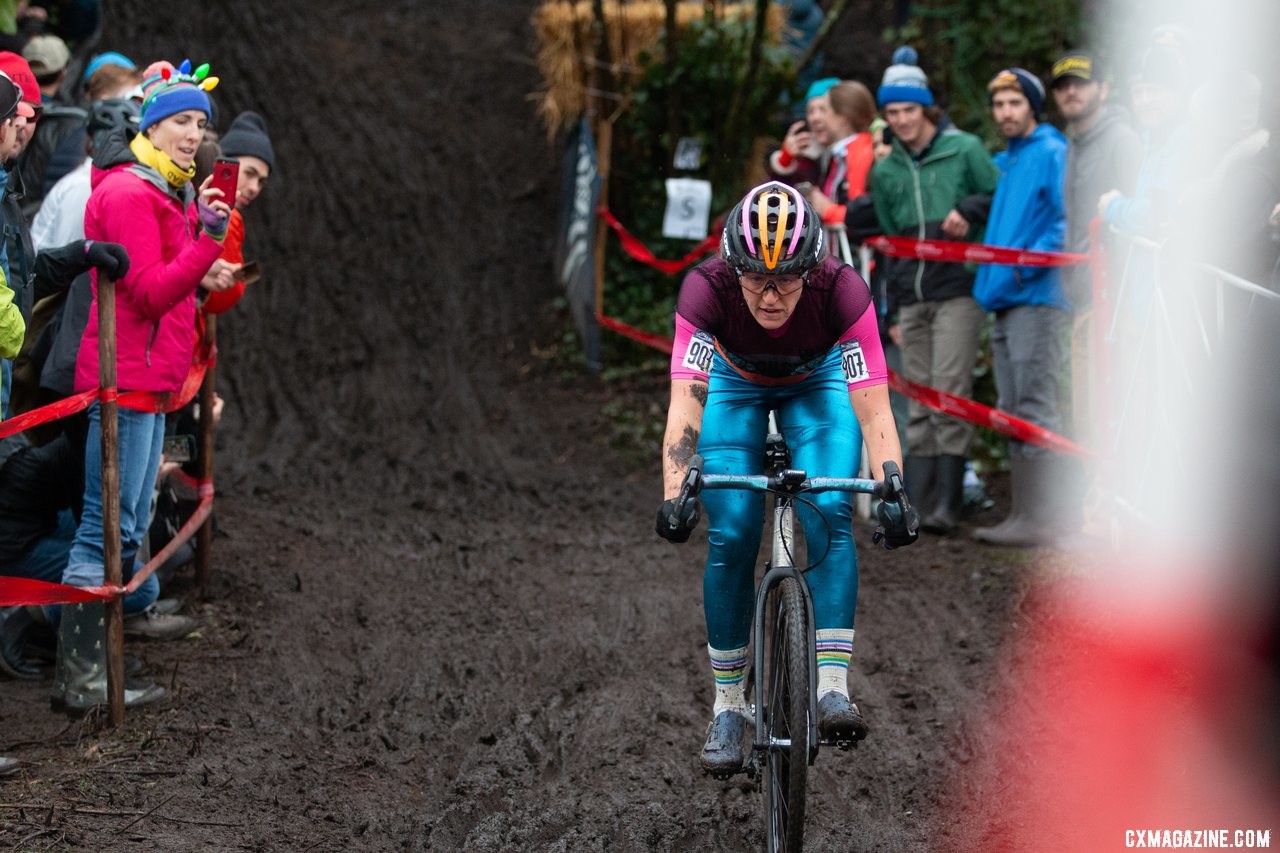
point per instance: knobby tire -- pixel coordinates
(786, 716)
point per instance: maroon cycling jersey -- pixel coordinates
(834, 308)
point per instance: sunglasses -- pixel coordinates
(758, 283)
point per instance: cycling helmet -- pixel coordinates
(773, 230)
(113, 115)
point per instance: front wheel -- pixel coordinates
(785, 718)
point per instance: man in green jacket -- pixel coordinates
(935, 184)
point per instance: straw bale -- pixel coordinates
(564, 30)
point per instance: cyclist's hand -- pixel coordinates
(677, 529)
(896, 529)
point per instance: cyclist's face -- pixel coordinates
(771, 298)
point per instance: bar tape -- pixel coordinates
(640, 252)
(958, 407)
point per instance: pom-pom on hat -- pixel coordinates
(247, 137)
(1022, 80)
(904, 80)
(168, 91)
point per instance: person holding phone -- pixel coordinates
(143, 198)
(248, 142)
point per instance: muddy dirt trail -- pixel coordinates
(439, 618)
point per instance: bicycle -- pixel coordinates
(785, 679)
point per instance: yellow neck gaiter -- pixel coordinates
(149, 155)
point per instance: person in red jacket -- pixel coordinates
(248, 142)
(144, 200)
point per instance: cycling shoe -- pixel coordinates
(839, 720)
(729, 739)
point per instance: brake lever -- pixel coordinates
(689, 490)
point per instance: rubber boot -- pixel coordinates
(946, 516)
(1036, 523)
(1018, 486)
(920, 476)
(80, 678)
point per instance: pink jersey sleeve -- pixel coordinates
(691, 355)
(861, 356)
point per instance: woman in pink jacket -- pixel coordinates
(143, 199)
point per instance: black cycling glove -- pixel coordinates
(895, 529)
(683, 524)
(110, 258)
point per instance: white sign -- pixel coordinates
(688, 208)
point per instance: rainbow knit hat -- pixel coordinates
(167, 91)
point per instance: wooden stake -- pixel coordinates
(107, 414)
(204, 537)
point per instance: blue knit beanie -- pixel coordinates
(904, 81)
(168, 91)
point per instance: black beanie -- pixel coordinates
(248, 136)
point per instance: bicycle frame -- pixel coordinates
(785, 483)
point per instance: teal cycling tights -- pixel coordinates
(817, 419)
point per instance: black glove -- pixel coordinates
(684, 523)
(111, 259)
(895, 529)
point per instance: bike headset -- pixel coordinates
(773, 229)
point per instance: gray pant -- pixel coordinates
(939, 349)
(1027, 346)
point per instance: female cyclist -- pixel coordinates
(772, 325)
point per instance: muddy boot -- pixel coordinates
(920, 476)
(1034, 520)
(729, 739)
(946, 517)
(80, 678)
(15, 625)
(1017, 482)
(839, 720)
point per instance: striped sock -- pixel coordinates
(835, 647)
(730, 668)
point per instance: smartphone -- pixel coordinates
(249, 273)
(226, 177)
(179, 448)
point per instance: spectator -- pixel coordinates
(845, 128)
(247, 141)
(113, 63)
(16, 254)
(1160, 106)
(1104, 152)
(57, 143)
(143, 200)
(12, 323)
(934, 184)
(798, 160)
(1027, 212)
(61, 216)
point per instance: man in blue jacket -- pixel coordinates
(1027, 212)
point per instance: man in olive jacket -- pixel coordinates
(935, 184)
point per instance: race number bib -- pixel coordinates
(697, 356)
(852, 362)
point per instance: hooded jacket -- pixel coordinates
(912, 196)
(1027, 212)
(133, 205)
